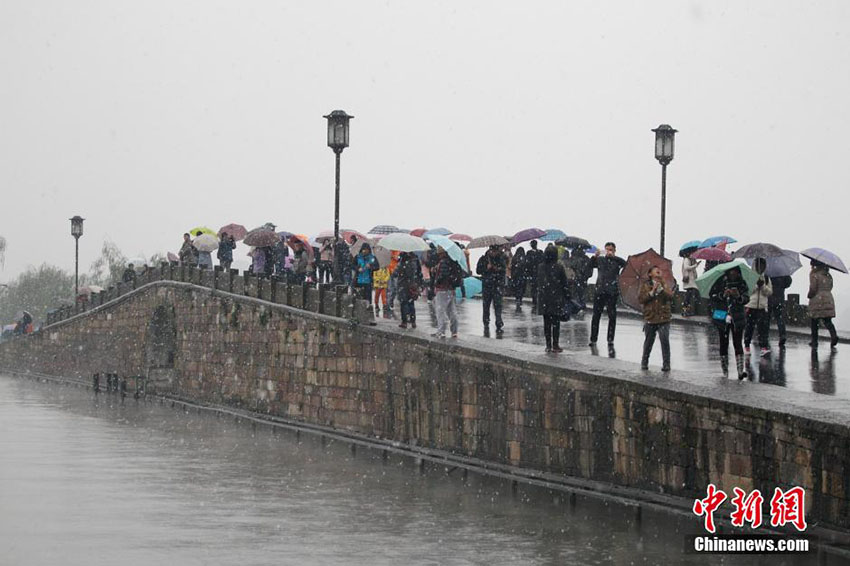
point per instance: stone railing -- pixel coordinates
(328, 299)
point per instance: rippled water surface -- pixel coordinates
(91, 481)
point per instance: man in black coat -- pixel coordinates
(533, 259)
(776, 305)
(608, 269)
(492, 267)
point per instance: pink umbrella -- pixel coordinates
(173, 257)
(295, 239)
(418, 232)
(460, 238)
(712, 254)
(236, 230)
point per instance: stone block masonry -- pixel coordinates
(557, 417)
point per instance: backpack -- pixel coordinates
(455, 278)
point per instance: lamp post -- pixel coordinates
(77, 231)
(664, 138)
(337, 141)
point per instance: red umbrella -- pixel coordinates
(236, 230)
(418, 232)
(636, 273)
(712, 254)
(300, 239)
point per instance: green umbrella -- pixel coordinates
(203, 230)
(707, 280)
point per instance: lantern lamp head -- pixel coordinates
(338, 130)
(664, 139)
(77, 226)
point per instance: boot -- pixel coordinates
(724, 365)
(556, 338)
(739, 360)
(548, 344)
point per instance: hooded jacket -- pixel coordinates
(656, 306)
(761, 295)
(551, 284)
(821, 301)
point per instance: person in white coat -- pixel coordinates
(757, 317)
(689, 284)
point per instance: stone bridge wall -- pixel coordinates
(460, 398)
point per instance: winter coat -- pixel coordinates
(205, 259)
(365, 266)
(492, 270)
(518, 267)
(225, 250)
(821, 301)
(656, 307)
(188, 253)
(409, 276)
(299, 264)
(689, 273)
(551, 288)
(608, 269)
(129, 275)
(533, 259)
(780, 284)
(732, 305)
(581, 267)
(760, 295)
(258, 265)
(381, 278)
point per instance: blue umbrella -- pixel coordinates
(451, 248)
(826, 257)
(472, 286)
(691, 244)
(714, 240)
(438, 232)
(553, 234)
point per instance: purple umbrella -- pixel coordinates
(527, 234)
(826, 257)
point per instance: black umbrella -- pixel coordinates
(574, 242)
(760, 249)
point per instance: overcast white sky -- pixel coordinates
(148, 118)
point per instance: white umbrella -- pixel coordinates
(404, 243)
(205, 243)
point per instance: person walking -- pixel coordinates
(409, 275)
(129, 275)
(519, 276)
(392, 287)
(533, 259)
(226, 245)
(776, 306)
(657, 300)
(204, 259)
(581, 270)
(325, 265)
(448, 276)
(727, 298)
(341, 259)
(300, 263)
(821, 303)
(689, 284)
(552, 291)
(608, 269)
(188, 253)
(365, 266)
(757, 316)
(491, 267)
(380, 281)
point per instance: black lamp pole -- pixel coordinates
(337, 141)
(664, 138)
(76, 232)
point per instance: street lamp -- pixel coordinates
(664, 138)
(337, 141)
(77, 231)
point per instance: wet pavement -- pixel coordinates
(90, 480)
(694, 347)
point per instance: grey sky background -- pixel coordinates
(148, 118)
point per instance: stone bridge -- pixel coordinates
(310, 356)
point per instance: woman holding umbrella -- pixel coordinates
(821, 303)
(552, 296)
(409, 277)
(728, 295)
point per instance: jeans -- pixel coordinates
(364, 291)
(446, 311)
(777, 311)
(392, 292)
(408, 307)
(827, 323)
(225, 265)
(552, 329)
(757, 319)
(492, 294)
(736, 332)
(663, 331)
(325, 270)
(604, 301)
(691, 301)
